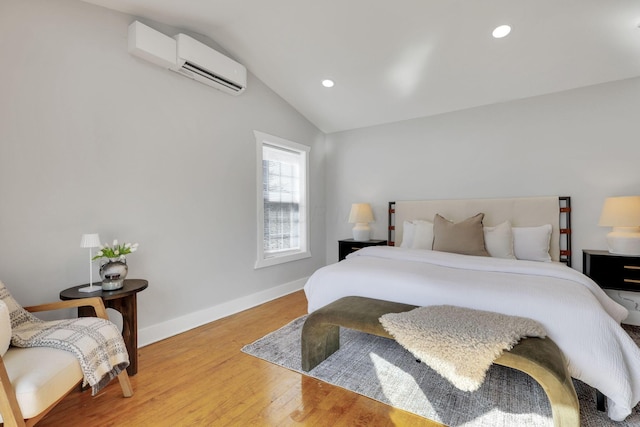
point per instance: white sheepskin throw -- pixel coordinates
(459, 343)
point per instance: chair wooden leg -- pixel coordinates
(9, 407)
(125, 384)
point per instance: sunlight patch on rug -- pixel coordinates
(391, 376)
(489, 418)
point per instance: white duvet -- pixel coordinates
(577, 314)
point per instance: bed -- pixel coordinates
(525, 274)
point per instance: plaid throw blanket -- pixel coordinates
(96, 342)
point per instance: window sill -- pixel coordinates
(281, 259)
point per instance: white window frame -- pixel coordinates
(266, 259)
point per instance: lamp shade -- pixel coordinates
(623, 214)
(360, 213)
(90, 240)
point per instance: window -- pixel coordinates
(282, 185)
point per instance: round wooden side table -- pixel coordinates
(122, 300)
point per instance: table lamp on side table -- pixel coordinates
(623, 214)
(90, 241)
(361, 215)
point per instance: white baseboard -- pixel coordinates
(175, 326)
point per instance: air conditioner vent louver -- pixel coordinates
(192, 68)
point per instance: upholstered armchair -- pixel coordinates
(34, 380)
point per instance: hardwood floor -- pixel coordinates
(201, 378)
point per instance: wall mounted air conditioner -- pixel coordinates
(199, 62)
(189, 57)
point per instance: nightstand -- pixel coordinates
(612, 271)
(346, 246)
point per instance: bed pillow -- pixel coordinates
(466, 237)
(423, 235)
(498, 240)
(5, 328)
(408, 231)
(532, 243)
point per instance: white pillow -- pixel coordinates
(532, 243)
(5, 328)
(498, 240)
(408, 231)
(423, 235)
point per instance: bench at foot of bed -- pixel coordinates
(540, 358)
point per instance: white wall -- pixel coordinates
(582, 143)
(93, 139)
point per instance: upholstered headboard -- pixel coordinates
(522, 212)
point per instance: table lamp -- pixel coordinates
(623, 214)
(361, 215)
(90, 241)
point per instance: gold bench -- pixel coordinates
(540, 358)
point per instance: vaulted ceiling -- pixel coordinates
(402, 59)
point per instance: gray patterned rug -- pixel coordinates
(381, 369)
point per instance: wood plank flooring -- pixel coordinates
(201, 378)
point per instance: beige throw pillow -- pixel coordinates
(466, 237)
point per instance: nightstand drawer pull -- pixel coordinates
(631, 281)
(632, 267)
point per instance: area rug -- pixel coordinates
(381, 369)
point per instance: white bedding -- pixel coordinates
(576, 313)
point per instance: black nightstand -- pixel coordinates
(346, 246)
(612, 271)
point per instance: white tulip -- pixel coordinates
(115, 242)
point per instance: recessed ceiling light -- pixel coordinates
(327, 83)
(501, 31)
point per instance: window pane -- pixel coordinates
(281, 198)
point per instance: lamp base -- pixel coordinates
(361, 232)
(90, 289)
(624, 241)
